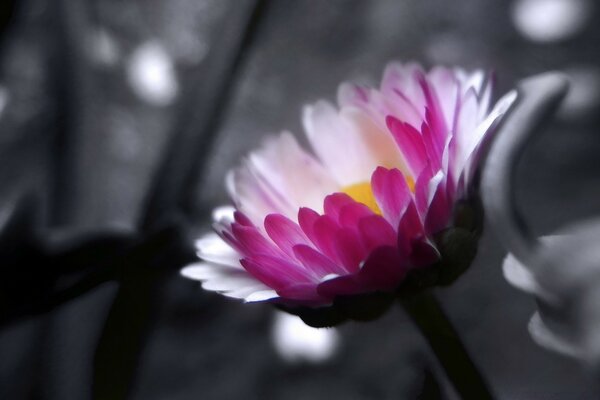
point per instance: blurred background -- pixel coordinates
(118, 122)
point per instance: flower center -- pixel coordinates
(363, 193)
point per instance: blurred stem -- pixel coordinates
(426, 312)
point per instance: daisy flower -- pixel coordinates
(384, 198)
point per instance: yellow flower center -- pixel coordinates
(363, 193)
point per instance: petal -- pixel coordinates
(376, 139)
(316, 261)
(472, 141)
(351, 214)
(306, 293)
(284, 232)
(231, 282)
(520, 276)
(276, 272)
(223, 214)
(410, 142)
(434, 115)
(307, 218)
(211, 247)
(447, 87)
(375, 231)
(349, 249)
(438, 214)
(409, 228)
(391, 192)
(333, 204)
(251, 242)
(323, 235)
(279, 177)
(384, 269)
(548, 339)
(403, 92)
(341, 286)
(338, 143)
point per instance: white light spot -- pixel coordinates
(550, 20)
(151, 74)
(297, 342)
(584, 92)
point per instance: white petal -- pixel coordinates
(446, 87)
(306, 181)
(280, 177)
(337, 142)
(261, 295)
(223, 214)
(229, 281)
(211, 247)
(471, 141)
(548, 339)
(201, 271)
(398, 77)
(433, 185)
(382, 149)
(519, 276)
(349, 142)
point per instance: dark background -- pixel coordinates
(118, 121)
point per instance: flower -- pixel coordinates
(385, 194)
(564, 277)
(560, 270)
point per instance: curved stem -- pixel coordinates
(427, 314)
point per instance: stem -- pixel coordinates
(426, 312)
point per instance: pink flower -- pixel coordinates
(367, 208)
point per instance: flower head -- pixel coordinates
(380, 199)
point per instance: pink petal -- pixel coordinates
(316, 261)
(351, 214)
(323, 235)
(410, 142)
(432, 148)
(307, 218)
(341, 286)
(410, 228)
(306, 293)
(375, 231)
(242, 219)
(284, 232)
(391, 192)
(422, 191)
(349, 249)
(433, 114)
(439, 211)
(384, 269)
(275, 272)
(251, 241)
(333, 204)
